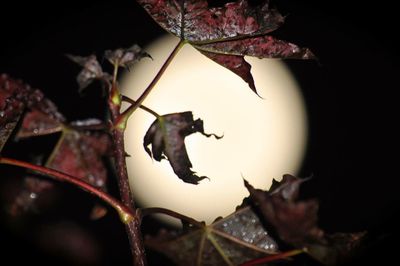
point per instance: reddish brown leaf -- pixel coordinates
(26, 200)
(13, 99)
(226, 34)
(201, 23)
(294, 221)
(80, 154)
(234, 63)
(238, 238)
(167, 138)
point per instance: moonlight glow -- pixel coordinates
(263, 138)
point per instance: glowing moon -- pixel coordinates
(263, 138)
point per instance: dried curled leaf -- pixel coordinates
(125, 57)
(295, 221)
(167, 138)
(226, 34)
(238, 238)
(91, 71)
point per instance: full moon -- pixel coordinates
(264, 138)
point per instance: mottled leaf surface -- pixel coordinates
(295, 221)
(166, 136)
(226, 34)
(233, 240)
(80, 154)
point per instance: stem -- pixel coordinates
(149, 211)
(149, 88)
(124, 212)
(147, 109)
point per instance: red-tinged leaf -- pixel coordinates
(37, 123)
(167, 138)
(26, 200)
(80, 154)
(261, 47)
(226, 34)
(125, 57)
(195, 21)
(13, 99)
(233, 240)
(294, 221)
(236, 64)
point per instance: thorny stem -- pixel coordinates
(171, 213)
(122, 119)
(147, 109)
(124, 212)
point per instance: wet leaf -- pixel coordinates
(13, 99)
(27, 198)
(295, 221)
(91, 71)
(80, 154)
(125, 57)
(167, 138)
(233, 240)
(226, 34)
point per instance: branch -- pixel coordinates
(148, 211)
(123, 118)
(126, 215)
(147, 109)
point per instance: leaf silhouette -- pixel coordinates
(295, 221)
(167, 138)
(233, 240)
(226, 34)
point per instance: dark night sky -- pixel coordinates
(349, 93)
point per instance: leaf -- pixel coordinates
(91, 71)
(295, 221)
(125, 57)
(233, 240)
(13, 99)
(167, 138)
(32, 189)
(226, 34)
(80, 154)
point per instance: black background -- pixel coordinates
(350, 97)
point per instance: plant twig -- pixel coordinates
(124, 212)
(122, 119)
(147, 109)
(148, 211)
